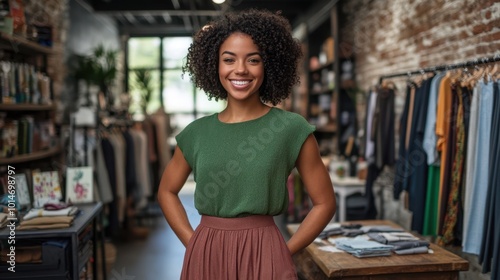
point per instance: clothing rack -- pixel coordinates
(444, 67)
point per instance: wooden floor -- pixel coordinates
(159, 256)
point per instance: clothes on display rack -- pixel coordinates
(126, 162)
(489, 254)
(379, 140)
(448, 159)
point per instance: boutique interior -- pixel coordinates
(404, 96)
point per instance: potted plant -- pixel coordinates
(143, 80)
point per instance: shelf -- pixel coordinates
(30, 157)
(23, 45)
(27, 107)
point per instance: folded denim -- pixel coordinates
(330, 232)
(401, 245)
(359, 246)
(367, 229)
(374, 254)
(388, 238)
(417, 250)
(353, 230)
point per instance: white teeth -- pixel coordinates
(240, 83)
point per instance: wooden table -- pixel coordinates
(313, 263)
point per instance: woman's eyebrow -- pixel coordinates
(231, 53)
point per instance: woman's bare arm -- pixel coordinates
(173, 179)
(319, 187)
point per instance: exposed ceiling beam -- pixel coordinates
(167, 18)
(121, 19)
(196, 22)
(149, 18)
(130, 18)
(176, 4)
(170, 12)
(158, 29)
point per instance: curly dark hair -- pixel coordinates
(271, 32)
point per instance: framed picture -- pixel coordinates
(22, 190)
(46, 188)
(79, 185)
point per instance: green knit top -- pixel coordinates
(242, 168)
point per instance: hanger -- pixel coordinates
(465, 78)
(419, 79)
(474, 77)
(409, 80)
(387, 84)
(454, 76)
(494, 73)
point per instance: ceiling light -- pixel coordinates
(218, 1)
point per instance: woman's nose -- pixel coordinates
(241, 68)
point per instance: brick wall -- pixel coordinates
(398, 35)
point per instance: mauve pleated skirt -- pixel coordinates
(237, 248)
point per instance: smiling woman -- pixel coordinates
(242, 157)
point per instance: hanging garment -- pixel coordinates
(130, 166)
(161, 123)
(458, 231)
(103, 184)
(109, 159)
(119, 151)
(431, 202)
(454, 199)
(417, 158)
(475, 213)
(430, 136)
(470, 166)
(433, 160)
(369, 139)
(489, 255)
(383, 123)
(401, 171)
(142, 167)
(149, 128)
(450, 159)
(443, 117)
(384, 153)
(370, 211)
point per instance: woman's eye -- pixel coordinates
(254, 60)
(228, 60)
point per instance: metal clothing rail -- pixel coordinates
(477, 61)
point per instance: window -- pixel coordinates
(163, 59)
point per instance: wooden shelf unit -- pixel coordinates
(17, 48)
(322, 74)
(27, 107)
(17, 43)
(32, 156)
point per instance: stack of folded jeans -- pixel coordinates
(362, 248)
(353, 230)
(403, 243)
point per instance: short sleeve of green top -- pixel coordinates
(242, 168)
